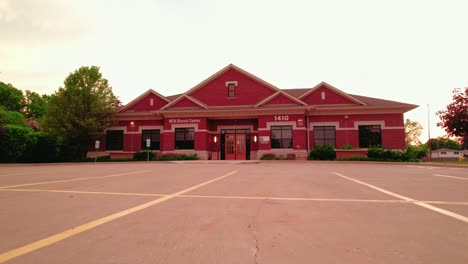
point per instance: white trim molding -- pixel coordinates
(288, 123)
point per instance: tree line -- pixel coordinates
(61, 126)
(57, 127)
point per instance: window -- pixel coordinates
(370, 136)
(154, 136)
(114, 139)
(443, 153)
(231, 90)
(184, 138)
(324, 135)
(281, 137)
(456, 153)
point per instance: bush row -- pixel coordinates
(143, 155)
(272, 156)
(411, 153)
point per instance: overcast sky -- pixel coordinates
(410, 51)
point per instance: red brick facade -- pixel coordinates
(257, 119)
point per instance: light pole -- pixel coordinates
(429, 132)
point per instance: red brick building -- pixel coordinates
(236, 115)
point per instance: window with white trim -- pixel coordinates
(370, 136)
(154, 135)
(281, 137)
(185, 138)
(324, 135)
(231, 88)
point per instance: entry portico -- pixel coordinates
(236, 115)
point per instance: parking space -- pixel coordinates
(297, 212)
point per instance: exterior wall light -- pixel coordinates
(215, 139)
(255, 138)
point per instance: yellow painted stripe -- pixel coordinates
(17, 174)
(293, 199)
(70, 180)
(71, 232)
(84, 192)
(419, 203)
(238, 197)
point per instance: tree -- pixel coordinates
(445, 142)
(80, 111)
(455, 117)
(35, 104)
(11, 98)
(413, 130)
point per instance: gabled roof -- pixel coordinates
(278, 93)
(136, 100)
(182, 97)
(333, 89)
(217, 74)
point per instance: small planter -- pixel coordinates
(350, 153)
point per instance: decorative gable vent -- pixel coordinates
(323, 95)
(231, 89)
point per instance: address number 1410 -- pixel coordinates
(281, 118)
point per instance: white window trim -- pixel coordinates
(231, 82)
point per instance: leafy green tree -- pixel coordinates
(11, 98)
(413, 130)
(35, 104)
(80, 111)
(11, 118)
(444, 142)
(15, 140)
(455, 117)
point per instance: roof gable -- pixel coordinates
(324, 93)
(249, 89)
(280, 98)
(187, 101)
(149, 101)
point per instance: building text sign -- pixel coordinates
(184, 120)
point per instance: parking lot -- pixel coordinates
(221, 212)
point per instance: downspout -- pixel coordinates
(307, 131)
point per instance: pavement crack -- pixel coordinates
(253, 230)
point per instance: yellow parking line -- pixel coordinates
(70, 180)
(74, 231)
(84, 192)
(292, 199)
(239, 197)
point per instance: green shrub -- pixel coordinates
(14, 142)
(268, 156)
(176, 156)
(143, 155)
(322, 152)
(347, 147)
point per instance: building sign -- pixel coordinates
(184, 120)
(264, 139)
(300, 122)
(281, 118)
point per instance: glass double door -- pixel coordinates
(235, 146)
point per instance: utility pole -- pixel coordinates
(429, 132)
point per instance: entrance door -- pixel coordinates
(235, 146)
